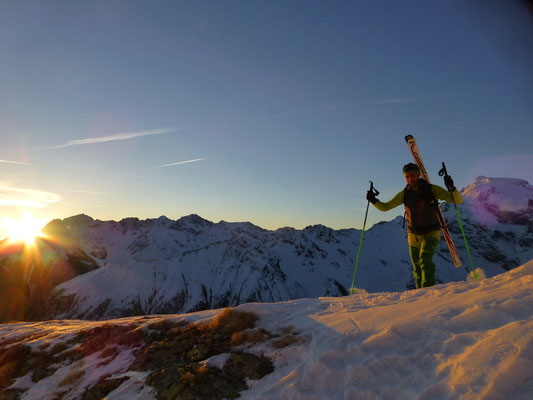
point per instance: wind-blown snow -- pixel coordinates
(461, 340)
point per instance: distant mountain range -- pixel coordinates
(91, 269)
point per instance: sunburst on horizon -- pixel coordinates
(26, 228)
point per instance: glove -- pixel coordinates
(448, 181)
(371, 197)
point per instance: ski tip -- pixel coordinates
(408, 137)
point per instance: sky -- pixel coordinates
(273, 112)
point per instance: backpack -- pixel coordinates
(420, 209)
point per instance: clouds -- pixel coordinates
(115, 137)
(181, 162)
(16, 194)
(126, 136)
(13, 162)
(22, 197)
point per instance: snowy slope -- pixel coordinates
(493, 200)
(135, 267)
(497, 216)
(461, 340)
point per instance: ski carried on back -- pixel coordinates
(411, 142)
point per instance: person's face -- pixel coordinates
(412, 178)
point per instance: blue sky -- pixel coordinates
(286, 109)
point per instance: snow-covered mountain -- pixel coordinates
(159, 265)
(500, 200)
(461, 340)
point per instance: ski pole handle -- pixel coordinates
(443, 171)
(373, 189)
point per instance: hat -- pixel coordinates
(411, 167)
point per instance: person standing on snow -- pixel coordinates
(423, 229)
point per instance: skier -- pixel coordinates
(423, 230)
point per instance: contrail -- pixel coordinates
(118, 136)
(92, 192)
(404, 100)
(181, 162)
(431, 97)
(13, 162)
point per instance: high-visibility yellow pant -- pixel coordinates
(422, 249)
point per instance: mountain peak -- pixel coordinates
(78, 220)
(74, 222)
(483, 180)
(193, 219)
(507, 194)
(491, 199)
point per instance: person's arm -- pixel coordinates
(445, 195)
(389, 205)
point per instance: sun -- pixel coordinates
(26, 228)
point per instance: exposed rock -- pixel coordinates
(245, 365)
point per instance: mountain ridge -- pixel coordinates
(160, 265)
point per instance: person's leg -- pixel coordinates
(414, 251)
(427, 266)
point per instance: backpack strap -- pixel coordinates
(428, 194)
(404, 204)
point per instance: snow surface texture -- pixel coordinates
(161, 266)
(461, 340)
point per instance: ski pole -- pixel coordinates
(444, 173)
(373, 190)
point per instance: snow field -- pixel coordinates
(462, 340)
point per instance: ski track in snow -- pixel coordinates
(462, 340)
